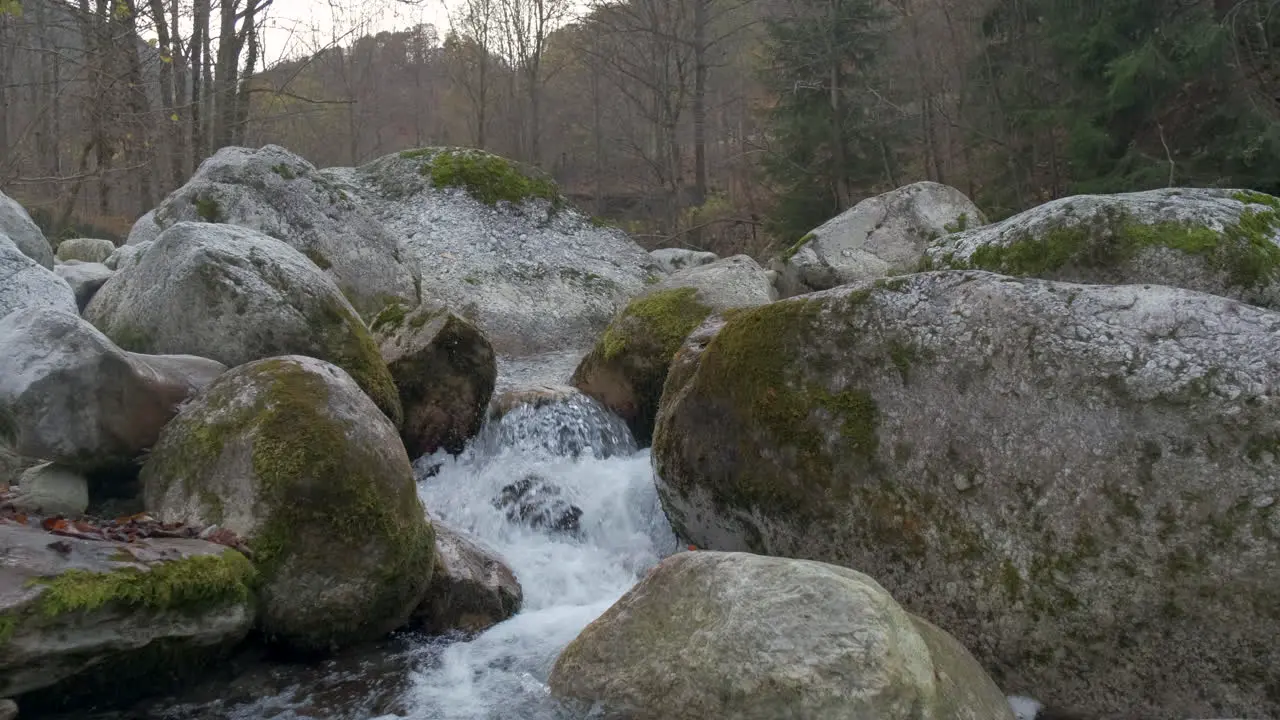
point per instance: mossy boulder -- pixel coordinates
(444, 370)
(1069, 478)
(26, 285)
(278, 193)
(628, 365)
(72, 396)
(95, 622)
(288, 453)
(91, 250)
(236, 295)
(883, 235)
(719, 635)
(18, 226)
(1224, 242)
(486, 177)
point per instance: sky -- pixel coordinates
(300, 27)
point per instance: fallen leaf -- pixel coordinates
(54, 523)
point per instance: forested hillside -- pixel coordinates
(719, 124)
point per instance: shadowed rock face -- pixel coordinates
(714, 635)
(1062, 475)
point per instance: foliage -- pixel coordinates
(824, 128)
(487, 177)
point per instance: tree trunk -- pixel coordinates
(700, 101)
(198, 49)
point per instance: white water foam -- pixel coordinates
(567, 581)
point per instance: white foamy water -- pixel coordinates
(567, 580)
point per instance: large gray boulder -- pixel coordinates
(72, 396)
(444, 369)
(628, 365)
(496, 243)
(1224, 242)
(472, 588)
(93, 620)
(289, 454)
(235, 295)
(23, 231)
(880, 236)
(85, 278)
(25, 285)
(720, 635)
(93, 250)
(282, 195)
(1072, 479)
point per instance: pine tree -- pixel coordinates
(825, 137)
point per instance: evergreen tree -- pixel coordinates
(825, 137)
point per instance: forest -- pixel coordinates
(722, 125)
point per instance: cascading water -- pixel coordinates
(586, 456)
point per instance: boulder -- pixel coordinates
(719, 635)
(677, 259)
(99, 621)
(126, 256)
(92, 250)
(880, 236)
(23, 231)
(444, 370)
(50, 489)
(236, 295)
(289, 454)
(554, 422)
(275, 192)
(628, 365)
(145, 229)
(1224, 242)
(471, 589)
(496, 243)
(8, 709)
(1070, 478)
(74, 397)
(85, 278)
(25, 285)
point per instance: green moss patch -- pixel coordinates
(390, 319)
(1243, 251)
(316, 257)
(284, 171)
(664, 319)
(488, 178)
(960, 225)
(356, 352)
(208, 209)
(795, 247)
(186, 585)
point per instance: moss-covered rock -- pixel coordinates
(1062, 475)
(290, 454)
(235, 295)
(628, 365)
(734, 635)
(93, 250)
(1224, 242)
(486, 177)
(98, 621)
(444, 370)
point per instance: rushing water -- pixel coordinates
(584, 457)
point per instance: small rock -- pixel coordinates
(52, 489)
(533, 501)
(93, 250)
(471, 589)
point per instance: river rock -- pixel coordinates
(553, 421)
(91, 250)
(1224, 242)
(23, 231)
(719, 635)
(677, 259)
(1072, 479)
(534, 275)
(537, 503)
(880, 236)
(471, 590)
(236, 295)
(85, 278)
(444, 370)
(95, 621)
(282, 195)
(145, 229)
(126, 256)
(51, 489)
(25, 285)
(288, 453)
(74, 397)
(628, 365)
